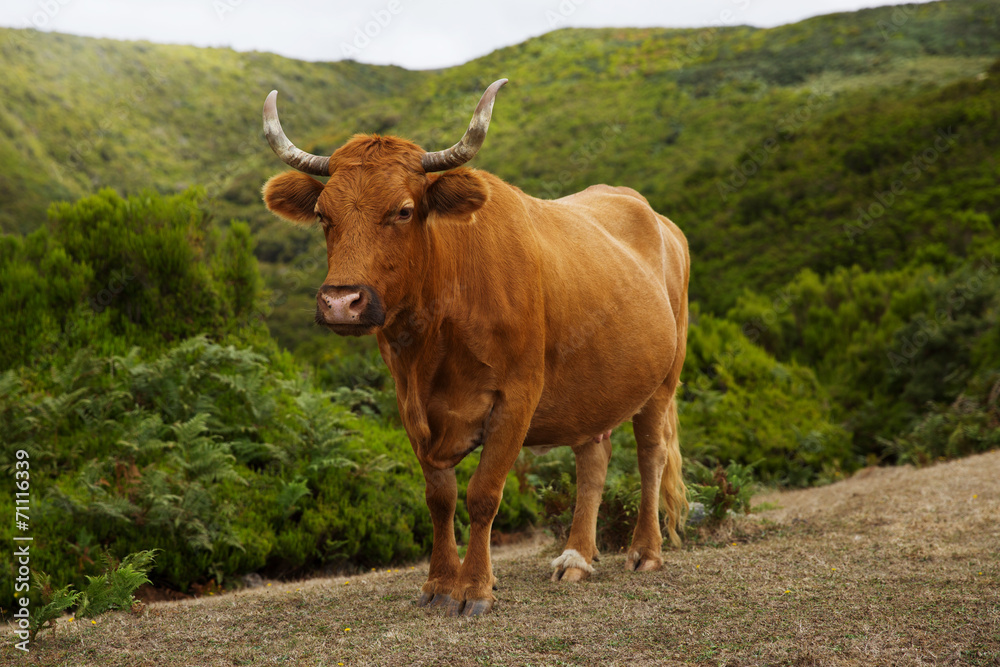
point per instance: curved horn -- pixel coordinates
(471, 141)
(285, 149)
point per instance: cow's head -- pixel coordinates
(373, 210)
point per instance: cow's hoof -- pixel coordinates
(643, 560)
(570, 574)
(470, 607)
(571, 566)
(434, 600)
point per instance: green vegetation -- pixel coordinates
(837, 180)
(146, 270)
(112, 590)
(722, 491)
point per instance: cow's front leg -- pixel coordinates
(473, 591)
(441, 492)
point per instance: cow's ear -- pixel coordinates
(458, 193)
(292, 196)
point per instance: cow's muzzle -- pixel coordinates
(350, 310)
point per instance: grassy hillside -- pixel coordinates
(80, 113)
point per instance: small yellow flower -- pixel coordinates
(787, 592)
(833, 569)
(412, 568)
(347, 629)
(734, 544)
(269, 584)
(72, 619)
(373, 569)
(94, 622)
(211, 593)
(346, 582)
(697, 566)
(298, 589)
(975, 495)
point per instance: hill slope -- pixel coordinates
(78, 114)
(646, 107)
(893, 567)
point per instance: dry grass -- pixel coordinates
(892, 567)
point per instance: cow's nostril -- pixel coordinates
(358, 305)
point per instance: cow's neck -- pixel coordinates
(477, 277)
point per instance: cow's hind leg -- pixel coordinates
(581, 548)
(660, 470)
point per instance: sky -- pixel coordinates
(416, 34)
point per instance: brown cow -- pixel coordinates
(507, 322)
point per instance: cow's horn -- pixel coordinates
(285, 149)
(473, 139)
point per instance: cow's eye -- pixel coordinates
(404, 214)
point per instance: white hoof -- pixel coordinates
(572, 558)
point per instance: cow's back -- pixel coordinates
(615, 279)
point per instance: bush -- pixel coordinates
(109, 591)
(112, 273)
(888, 344)
(215, 451)
(722, 491)
(739, 404)
(968, 425)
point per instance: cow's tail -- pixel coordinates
(672, 485)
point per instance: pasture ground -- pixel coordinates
(894, 566)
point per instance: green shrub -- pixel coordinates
(738, 404)
(723, 491)
(968, 425)
(889, 344)
(216, 452)
(112, 273)
(109, 591)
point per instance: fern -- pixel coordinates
(109, 591)
(55, 602)
(290, 494)
(113, 589)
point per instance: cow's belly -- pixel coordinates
(594, 387)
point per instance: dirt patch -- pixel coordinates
(891, 567)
